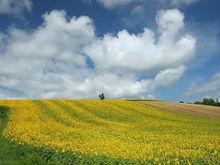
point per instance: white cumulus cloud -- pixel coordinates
(64, 58)
(144, 52)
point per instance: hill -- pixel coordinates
(109, 132)
(192, 109)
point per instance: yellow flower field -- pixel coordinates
(116, 129)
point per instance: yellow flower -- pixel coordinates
(116, 128)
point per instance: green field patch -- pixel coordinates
(4, 111)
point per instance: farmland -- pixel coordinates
(107, 132)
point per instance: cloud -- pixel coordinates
(143, 52)
(110, 4)
(14, 6)
(64, 58)
(179, 2)
(115, 3)
(209, 88)
(138, 10)
(168, 76)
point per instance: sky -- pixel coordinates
(126, 49)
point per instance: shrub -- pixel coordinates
(102, 96)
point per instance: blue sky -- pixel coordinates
(165, 49)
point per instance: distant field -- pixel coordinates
(192, 109)
(110, 132)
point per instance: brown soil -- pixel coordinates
(193, 109)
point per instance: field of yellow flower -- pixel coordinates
(113, 130)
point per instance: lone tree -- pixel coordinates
(102, 96)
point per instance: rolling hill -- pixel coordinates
(109, 132)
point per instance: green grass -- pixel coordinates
(13, 153)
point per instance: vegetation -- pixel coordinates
(105, 132)
(3, 111)
(102, 96)
(209, 101)
(3, 118)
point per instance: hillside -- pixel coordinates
(192, 109)
(110, 132)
